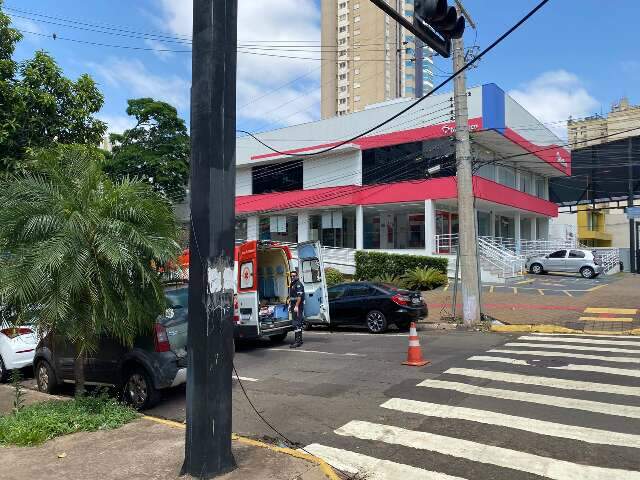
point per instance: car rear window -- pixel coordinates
(177, 307)
(576, 254)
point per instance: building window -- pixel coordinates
(356, 71)
(356, 6)
(342, 76)
(400, 228)
(410, 90)
(343, 29)
(241, 229)
(335, 228)
(342, 5)
(342, 64)
(342, 101)
(507, 176)
(342, 41)
(356, 98)
(342, 17)
(408, 13)
(356, 32)
(342, 53)
(278, 177)
(343, 89)
(357, 19)
(409, 63)
(279, 228)
(356, 85)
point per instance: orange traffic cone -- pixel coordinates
(414, 354)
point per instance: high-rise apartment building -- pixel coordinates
(367, 58)
(598, 129)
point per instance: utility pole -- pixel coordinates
(210, 346)
(467, 237)
(633, 267)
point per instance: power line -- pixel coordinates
(435, 89)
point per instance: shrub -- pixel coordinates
(37, 423)
(333, 276)
(370, 265)
(424, 278)
(389, 279)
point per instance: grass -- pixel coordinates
(37, 423)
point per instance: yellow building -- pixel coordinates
(592, 227)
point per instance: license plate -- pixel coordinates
(416, 300)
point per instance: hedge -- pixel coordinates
(370, 265)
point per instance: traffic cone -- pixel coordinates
(414, 354)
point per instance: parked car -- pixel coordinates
(156, 361)
(580, 261)
(374, 305)
(17, 348)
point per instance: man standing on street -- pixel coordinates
(296, 305)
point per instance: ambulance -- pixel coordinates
(263, 277)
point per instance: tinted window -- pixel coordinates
(576, 254)
(359, 291)
(279, 177)
(558, 254)
(177, 308)
(336, 292)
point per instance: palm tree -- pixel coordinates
(78, 250)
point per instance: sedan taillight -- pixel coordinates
(401, 300)
(161, 339)
(16, 332)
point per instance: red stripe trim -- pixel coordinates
(387, 139)
(554, 155)
(401, 192)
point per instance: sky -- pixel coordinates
(574, 57)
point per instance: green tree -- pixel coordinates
(80, 249)
(39, 106)
(157, 149)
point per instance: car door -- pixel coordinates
(337, 303)
(316, 303)
(575, 260)
(556, 261)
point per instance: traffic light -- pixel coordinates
(434, 22)
(443, 20)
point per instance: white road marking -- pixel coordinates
(245, 379)
(586, 335)
(549, 400)
(546, 381)
(478, 452)
(572, 347)
(575, 367)
(541, 427)
(360, 334)
(545, 353)
(372, 468)
(582, 340)
(297, 350)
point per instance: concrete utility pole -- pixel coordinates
(210, 333)
(633, 267)
(466, 211)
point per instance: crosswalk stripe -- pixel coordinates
(572, 347)
(541, 427)
(575, 367)
(619, 311)
(549, 400)
(582, 335)
(545, 353)
(478, 452)
(582, 340)
(546, 381)
(372, 468)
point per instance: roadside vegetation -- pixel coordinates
(37, 423)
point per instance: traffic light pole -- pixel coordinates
(467, 237)
(210, 331)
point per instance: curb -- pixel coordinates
(530, 328)
(324, 466)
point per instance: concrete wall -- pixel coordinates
(333, 171)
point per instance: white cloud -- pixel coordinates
(555, 96)
(117, 123)
(134, 76)
(272, 20)
(160, 50)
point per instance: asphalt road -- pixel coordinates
(488, 407)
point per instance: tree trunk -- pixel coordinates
(78, 371)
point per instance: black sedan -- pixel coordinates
(374, 305)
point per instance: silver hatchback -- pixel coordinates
(579, 261)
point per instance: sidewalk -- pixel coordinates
(561, 310)
(143, 449)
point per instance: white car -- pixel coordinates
(17, 348)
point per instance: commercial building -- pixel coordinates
(367, 58)
(375, 192)
(598, 129)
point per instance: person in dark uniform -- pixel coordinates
(296, 306)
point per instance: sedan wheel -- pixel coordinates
(376, 321)
(536, 268)
(45, 378)
(3, 371)
(139, 391)
(587, 272)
